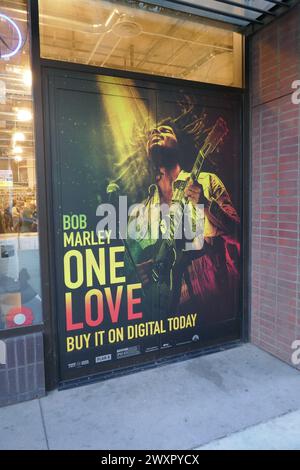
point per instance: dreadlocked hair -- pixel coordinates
(137, 172)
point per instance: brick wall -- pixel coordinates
(22, 369)
(275, 64)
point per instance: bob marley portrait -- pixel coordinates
(164, 164)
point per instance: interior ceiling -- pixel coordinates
(115, 35)
(15, 93)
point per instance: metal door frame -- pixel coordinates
(45, 204)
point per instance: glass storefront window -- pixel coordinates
(139, 37)
(20, 289)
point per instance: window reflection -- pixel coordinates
(140, 37)
(20, 290)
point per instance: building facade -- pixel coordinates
(84, 87)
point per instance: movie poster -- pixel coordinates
(146, 203)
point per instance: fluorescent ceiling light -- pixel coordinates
(24, 115)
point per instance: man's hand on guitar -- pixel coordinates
(194, 193)
(145, 271)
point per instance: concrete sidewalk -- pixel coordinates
(281, 433)
(234, 395)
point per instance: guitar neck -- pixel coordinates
(179, 196)
(212, 141)
(196, 170)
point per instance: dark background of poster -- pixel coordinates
(83, 161)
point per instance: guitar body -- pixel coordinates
(158, 293)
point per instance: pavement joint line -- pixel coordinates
(224, 436)
(44, 424)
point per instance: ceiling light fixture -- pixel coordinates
(18, 137)
(18, 149)
(24, 115)
(27, 78)
(126, 27)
